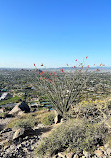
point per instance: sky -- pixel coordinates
(54, 32)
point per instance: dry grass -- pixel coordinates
(29, 120)
(75, 134)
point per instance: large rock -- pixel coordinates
(19, 132)
(86, 154)
(62, 155)
(76, 156)
(98, 153)
(56, 120)
(65, 155)
(108, 123)
(1, 110)
(108, 151)
(24, 107)
(57, 117)
(20, 108)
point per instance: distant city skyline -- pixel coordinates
(54, 33)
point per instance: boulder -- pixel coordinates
(1, 110)
(70, 155)
(108, 123)
(86, 154)
(57, 117)
(18, 133)
(98, 153)
(20, 108)
(76, 156)
(108, 151)
(24, 107)
(56, 120)
(62, 155)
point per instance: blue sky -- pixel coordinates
(54, 32)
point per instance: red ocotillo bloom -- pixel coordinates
(67, 64)
(62, 70)
(86, 57)
(76, 60)
(42, 65)
(34, 64)
(50, 74)
(88, 66)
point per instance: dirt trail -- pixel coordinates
(53, 127)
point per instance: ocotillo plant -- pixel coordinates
(64, 89)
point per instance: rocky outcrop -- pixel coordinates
(20, 108)
(18, 133)
(11, 147)
(24, 107)
(101, 152)
(57, 117)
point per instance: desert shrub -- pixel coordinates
(42, 114)
(4, 115)
(87, 110)
(64, 89)
(48, 119)
(31, 119)
(73, 135)
(8, 143)
(95, 111)
(108, 123)
(107, 139)
(8, 108)
(27, 122)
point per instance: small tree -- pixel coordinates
(64, 89)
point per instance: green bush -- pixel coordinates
(108, 140)
(25, 123)
(73, 135)
(31, 119)
(108, 123)
(48, 119)
(4, 115)
(8, 108)
(28, 122)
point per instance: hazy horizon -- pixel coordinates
(93, 67)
